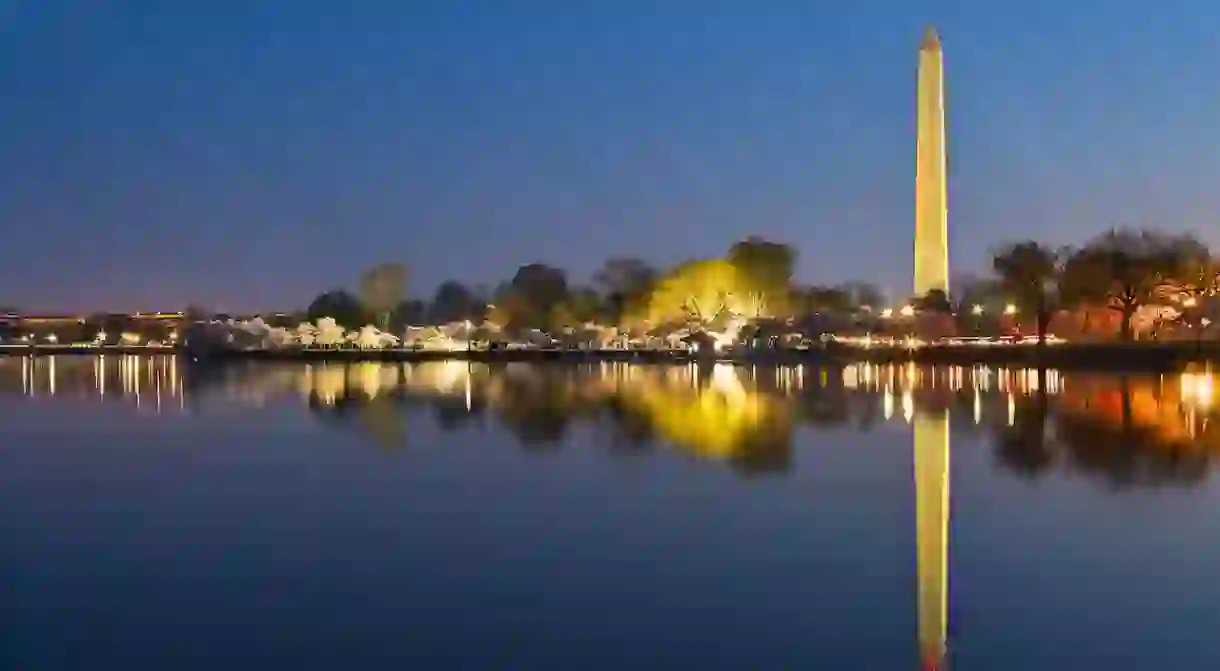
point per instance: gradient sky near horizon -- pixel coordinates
(245, 155)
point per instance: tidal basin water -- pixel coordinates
(454, 516)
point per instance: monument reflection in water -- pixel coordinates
(932, 532)
(1126, 430)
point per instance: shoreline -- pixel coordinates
(1098, 356)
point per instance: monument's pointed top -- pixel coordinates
(931, 41)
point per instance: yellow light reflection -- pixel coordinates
(718, 421)
(932, 533)
(1197, 389)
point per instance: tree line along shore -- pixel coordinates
(1124, 285)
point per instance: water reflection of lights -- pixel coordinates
(982, 378)
(450, 373)
(1197, 390)
(956, 375)
(725, 381)
(327, 382)
(140, 379)
(714, 416)
(792, 379)
(874, 377)
(741, 391)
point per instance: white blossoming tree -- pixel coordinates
(280, 337)
(305, 334)
(329, 334)
(371, 337)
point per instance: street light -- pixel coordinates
(977, 309)
(908, 311)
(1010, 309)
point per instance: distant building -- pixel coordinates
(50, 320)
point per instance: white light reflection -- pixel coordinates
(1197, 390)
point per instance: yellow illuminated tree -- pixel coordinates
(695, 291)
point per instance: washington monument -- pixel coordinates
(931, 206)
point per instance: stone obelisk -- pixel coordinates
(932, 534)
(931, 198)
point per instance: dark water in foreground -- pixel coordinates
(441, 516)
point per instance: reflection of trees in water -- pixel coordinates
(1128, 455)
(629, 429)
(1024, 446)
(829, 409)
(1124, 430)
(382, 418)
(713, 413)
(537, 409)
(1127, 431)
(453, 414)
(1135, 431)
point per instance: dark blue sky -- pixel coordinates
(246, 155)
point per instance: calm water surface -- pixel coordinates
(446, 516)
